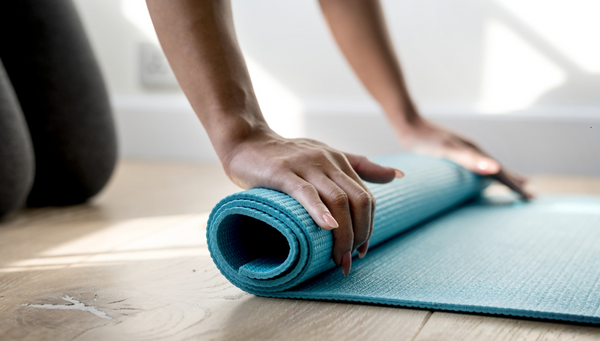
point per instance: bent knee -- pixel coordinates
(74, 181)
(16, 180)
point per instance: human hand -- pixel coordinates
(326, 182)
(424, 137)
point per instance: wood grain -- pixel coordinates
(450, 326)
(138, 254)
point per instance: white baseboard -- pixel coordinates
(564, 140)
(160, 127)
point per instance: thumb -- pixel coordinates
(372, 172)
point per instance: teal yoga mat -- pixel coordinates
(436, 244)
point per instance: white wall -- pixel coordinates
(499, 66)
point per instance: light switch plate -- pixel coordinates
(155, 71)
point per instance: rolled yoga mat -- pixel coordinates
(436, 245)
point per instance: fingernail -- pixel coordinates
(399, 173)
(330, 220)
(346, 263)
(362, 250)
(483, 165)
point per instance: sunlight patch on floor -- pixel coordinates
(149, 238)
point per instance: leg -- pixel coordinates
(59, 86)
(16, 152)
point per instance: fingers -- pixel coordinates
(474, 161)
(330, 188)
(484, 165)
(346, 167)
(362, 250)
(306, 194)
(337, 200)
(352, 206)
(488, 166)
(360, 201)
(372, 172)
(519, 180)
(329, 206)
(515, 183)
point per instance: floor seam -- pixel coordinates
(422, 325)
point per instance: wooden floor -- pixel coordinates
(133, 265)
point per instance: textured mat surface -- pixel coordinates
(430, 248)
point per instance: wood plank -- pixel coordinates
(451, 326)
(143, 262)
(167, 282)
(566, 184)
(138, 254)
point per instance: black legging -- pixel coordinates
(57, 138)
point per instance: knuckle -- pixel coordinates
(313, 157)
(303, 187)
(363, 200)
(320, 156)
(314, 152)
(339, 198)
(338, 155)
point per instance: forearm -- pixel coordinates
(360, 30)
(199, 41)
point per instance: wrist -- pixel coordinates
(232, 134)
(406, 120)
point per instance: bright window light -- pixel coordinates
(281, 108)
(571, 26)
(515, 74)
(137, 13)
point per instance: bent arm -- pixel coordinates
(360, 30)
(199, 40)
